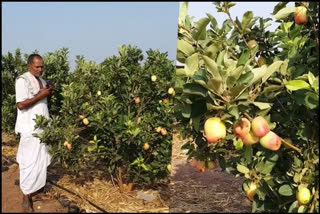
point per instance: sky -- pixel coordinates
(92, 29)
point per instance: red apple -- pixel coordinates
(250, 139)
(300, 15)
(271, 141)
(137, 100)
(214, 129)
(242, 128)
(260, 126)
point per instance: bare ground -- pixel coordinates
(210, 191)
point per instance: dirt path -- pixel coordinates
(11, 193)
(211, 191)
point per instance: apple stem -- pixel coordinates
(291, 146)
(247, 116)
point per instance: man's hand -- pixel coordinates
(44, 92)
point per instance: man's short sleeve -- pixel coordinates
(21, 90)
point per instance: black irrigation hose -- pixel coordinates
(61, 187)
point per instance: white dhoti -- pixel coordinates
(33, 158)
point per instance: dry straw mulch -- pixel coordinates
(108, 197)
(211, 191)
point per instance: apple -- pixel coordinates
(214, 129)
(300, 15)
(211, 164)
(303, 196)
(171, 91)
(163, 131)
(242, 128)
(250, 139)
(193, 163)
(99, 93)
(261, 61)
(158, 129)
(137, 100)
(81, 117)
(271, 141)
(69, 146)
(252, 44)
(85, 121)
(146, 146)
(200, 166)
(165, 100)
(65, 143)
(260, 126)
(153, 78)
(251, 191)
(169, 167)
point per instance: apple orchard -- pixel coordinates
(248, 100)
(115, 117)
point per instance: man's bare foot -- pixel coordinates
(27, 204)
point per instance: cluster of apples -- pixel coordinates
(249, 133)
(161, 130)
(200, 166)
(84, 119)
(68, 145)
(257, 131)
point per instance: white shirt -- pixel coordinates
(25, 123)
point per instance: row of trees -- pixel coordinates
(104, 116)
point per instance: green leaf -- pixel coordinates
(258, 73)
(185, 48)
(242, 169)
(186, 111)
(286, 190)
(248, 152)
(262, 105)
(311, 78)
(234, 76)
(181, 72)
(215, 85)
(284, 12)
(192, 64)
(294, 85)
(220, 57)
(284, 67)
(195, 89)
(233, 110)
(243, 58)
(293, 207)
(245, 78)
(196, 123)
(246, 19)
(271, 69)
(200, 31)
(213, 21)
(183, 12)
(212, 67)
(311, 100)
(238, 144)
(279, 6)
(211, 51)
(200, 80)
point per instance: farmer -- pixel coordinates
(33, 156)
